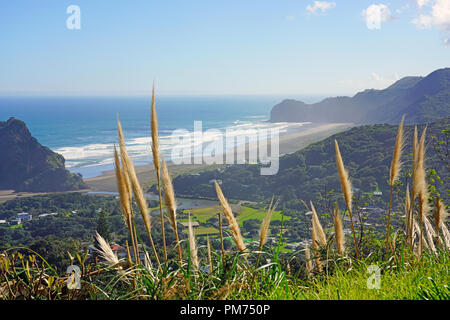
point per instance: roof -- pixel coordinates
(47, 214)
(186, 224)
(23, 214)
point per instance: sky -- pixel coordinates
(220, 47)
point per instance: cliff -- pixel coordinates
(26, 165)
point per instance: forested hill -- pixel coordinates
(366, 151)
(422, 99)
(26, 165)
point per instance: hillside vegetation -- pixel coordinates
(408, 261)
(421, 99)
(309, 174)
(26, 165)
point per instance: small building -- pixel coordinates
(15, 222)
(119, 251)
(24, 216)
(194, 224)
(47, 215)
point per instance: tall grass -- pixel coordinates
(157, 164)
(347, 191)
(394, 174)
(236, 273)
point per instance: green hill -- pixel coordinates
(311, 172)
(26, 165)
(421, 99)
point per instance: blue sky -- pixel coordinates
(218, 47)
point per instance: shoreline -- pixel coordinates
(290, 142)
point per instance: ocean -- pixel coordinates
(84, 131)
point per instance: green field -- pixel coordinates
(247, 213)
(201, 215)
(244, 213)
(203, 231)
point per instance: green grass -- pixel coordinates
(203, 214)
(202, 231)
(427, 279)
(248, 213)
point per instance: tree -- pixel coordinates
(103, 226)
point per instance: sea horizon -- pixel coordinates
(83, 129)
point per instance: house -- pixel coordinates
(15, 222)
(24, 216)
(186, 224)
(119, 251)
(122, 253)
(373, 210)
(47, 215)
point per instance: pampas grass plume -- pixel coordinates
(339, 232)
(234, 226)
